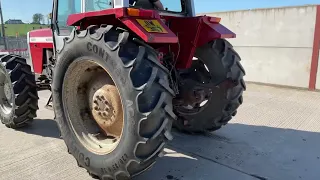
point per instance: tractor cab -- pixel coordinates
(64, 8)
(65, 12)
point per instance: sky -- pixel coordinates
(24, 9)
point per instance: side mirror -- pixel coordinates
(50, 15)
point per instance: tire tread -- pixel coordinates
(234, 72)
(26, 95)
(158, 111)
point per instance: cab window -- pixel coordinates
(97, 5)
(65, 8)
(172, 5)
(169, 5)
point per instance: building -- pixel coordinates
(14, 21)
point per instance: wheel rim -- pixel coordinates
(202, 94)
(6, 92)
(94, 109)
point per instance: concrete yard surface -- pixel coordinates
(274, 136)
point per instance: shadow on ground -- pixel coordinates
(42, 127)
(237, 151)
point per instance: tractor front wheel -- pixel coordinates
(112, 101)
(211, 90)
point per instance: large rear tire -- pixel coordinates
(143, 88)
(225, 73)
(18, 92)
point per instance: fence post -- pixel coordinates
(3, 27)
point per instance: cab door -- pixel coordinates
(60, 12)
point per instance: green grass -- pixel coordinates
(21, 29)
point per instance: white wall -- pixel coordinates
(275, 44)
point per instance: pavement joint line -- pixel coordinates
(217, 162)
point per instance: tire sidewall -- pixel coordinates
(115, 161)
(223, 67)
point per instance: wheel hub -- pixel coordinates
(6, 92)
(195, 88)
(106, 107)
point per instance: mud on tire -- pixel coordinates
(147, 100)
(18, 82)
(226, 72)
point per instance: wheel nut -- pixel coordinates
(102, 97)
(96, 108)
(104, 114)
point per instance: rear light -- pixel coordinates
(133, 12)
(214, 19)
(139, 12)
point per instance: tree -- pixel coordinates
(37, 18)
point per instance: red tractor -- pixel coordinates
(121, 75)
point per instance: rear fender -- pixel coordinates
(211, 29)
(129, 18)
(194, 32)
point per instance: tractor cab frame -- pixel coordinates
(63, 8)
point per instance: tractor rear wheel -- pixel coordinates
(18, 92)
(212, 89)
(112, 102)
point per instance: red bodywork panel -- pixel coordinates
(39, 40)
(194, 32)
(109, 15)
(190, 32)
(184, 34)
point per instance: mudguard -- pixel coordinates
(194, 32)
(145, 23)
(183, 34)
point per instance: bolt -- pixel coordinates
(106, 109)
(185, 122)
(106, 102)
(96, 108)
(104, 114)
(99, 113)
(95, 101)
(102, 97)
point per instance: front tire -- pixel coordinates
(144, 92)
(18, 92)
